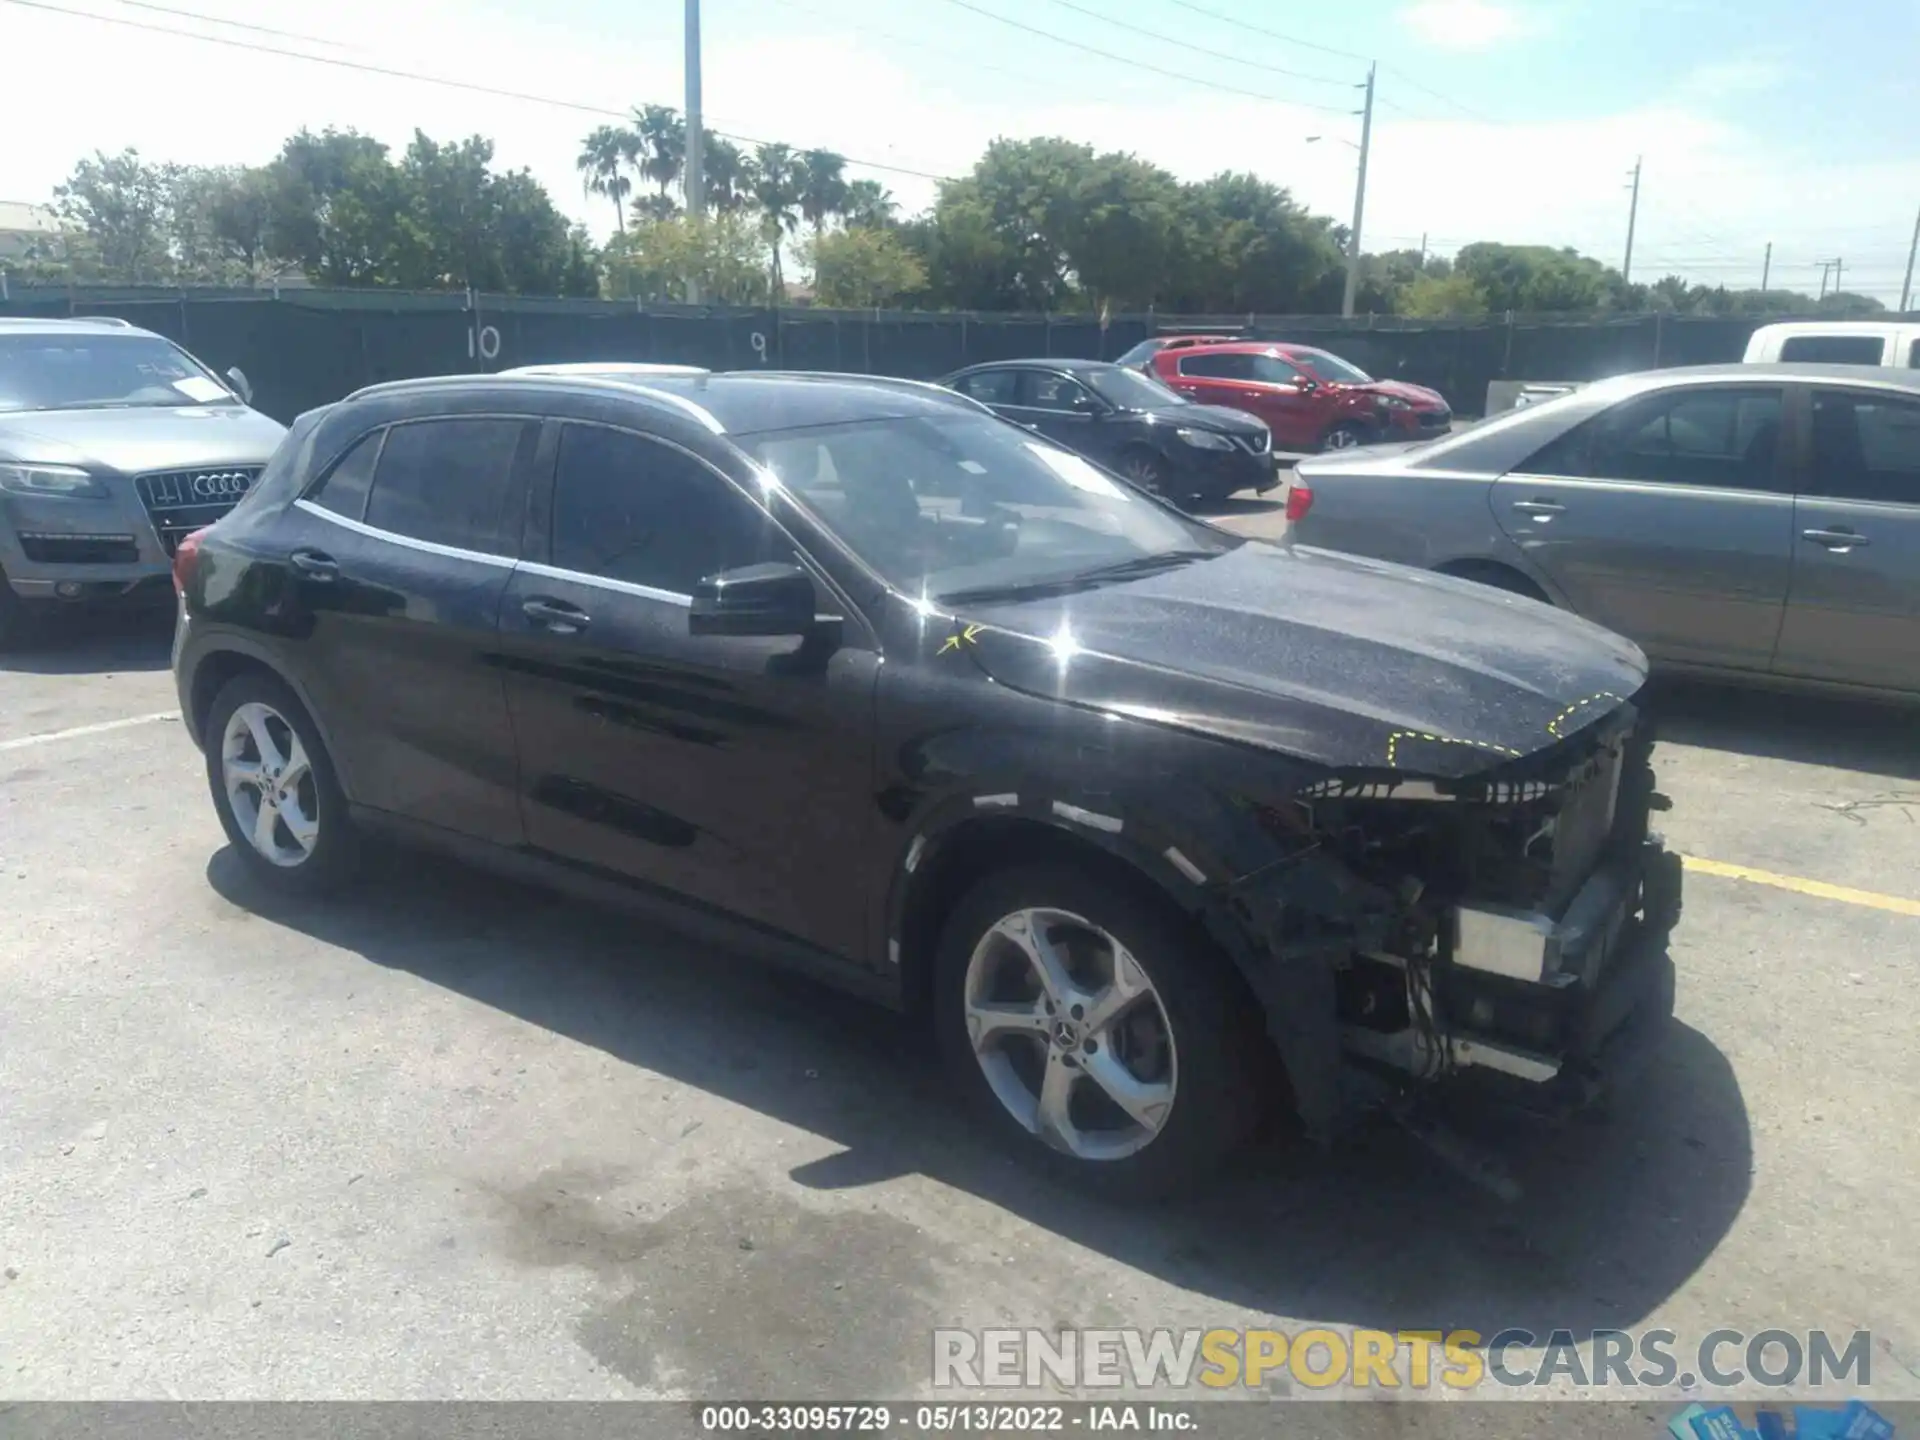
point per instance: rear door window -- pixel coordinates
(1218, 367)
(1834, 349)
(1866, 447)
(1724, 438)
(451, 482)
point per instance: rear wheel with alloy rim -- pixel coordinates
(274, 786)
(1096, 1036)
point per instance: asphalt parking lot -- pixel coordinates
(447, 1137)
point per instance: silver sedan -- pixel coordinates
(1738, 520)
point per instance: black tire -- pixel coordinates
(1215, 1033)
(1498, 577)
(1347, 435)
(335, 853)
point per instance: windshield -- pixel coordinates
(1131, 390)
(971, 503)
(97, 372)
(1323, 366)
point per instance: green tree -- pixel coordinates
(870, 205)
(604, 159)
(1250, 247)
(773, 179)
(822, 178)
(125, 207)
(662, 137)
(724, 170)
(1536, 278)
(1440, 295)
(337, 207)
(859, 267)
(653, 261)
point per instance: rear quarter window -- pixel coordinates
(289, 462)
(1834, 349)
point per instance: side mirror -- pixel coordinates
(1085, 404)
(769, 599)
(1306, 384)
(242, 386)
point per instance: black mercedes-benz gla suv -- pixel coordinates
(1152, 823)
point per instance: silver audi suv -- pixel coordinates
(114, 444)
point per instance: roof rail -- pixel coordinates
(113, 320)
(926, 387)
(606, 367)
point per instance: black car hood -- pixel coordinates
(1348, 662)
(1206, 417)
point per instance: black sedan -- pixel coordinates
(1130, 423)
(1151, 824)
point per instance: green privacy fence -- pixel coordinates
(305, 347)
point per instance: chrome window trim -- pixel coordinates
(426, 547)
(603, 582)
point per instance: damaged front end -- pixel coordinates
(1507, 927)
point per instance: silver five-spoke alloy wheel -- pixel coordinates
(270, 784)
(1071, 1034)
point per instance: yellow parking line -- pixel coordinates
(1819, 889)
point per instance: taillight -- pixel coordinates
(1299, 500)
(187, 558)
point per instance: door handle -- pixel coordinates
(1539, 509)
(555, 615)
(1837, 540)
(315, 565)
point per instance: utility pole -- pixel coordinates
(1839, 270)
(1826, 269)
(1766, 268)
(1906, 285)
(1359, 200)
(1633, 215)
(1423, 252)
(696, 176)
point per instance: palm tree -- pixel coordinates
(662, 137)
(724, 168)
(823, 186)
(869, 205)
(602, 163)
(774, 183)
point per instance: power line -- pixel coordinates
(1123, 60)
(1201, 49)
(238, 24)
(418, 77)
(944, 51)
(1270, 34)
(1286, 39)
(1431, 93)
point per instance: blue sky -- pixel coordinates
(1498, 119)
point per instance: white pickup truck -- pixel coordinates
(1838, 342)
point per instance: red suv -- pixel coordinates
(1310, 400)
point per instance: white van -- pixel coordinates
(1838, 342)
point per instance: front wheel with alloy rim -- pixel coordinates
(1347, 435)
(274, 786)
(1096, 1034)
(1147, 470)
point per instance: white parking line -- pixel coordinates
(51, 736)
